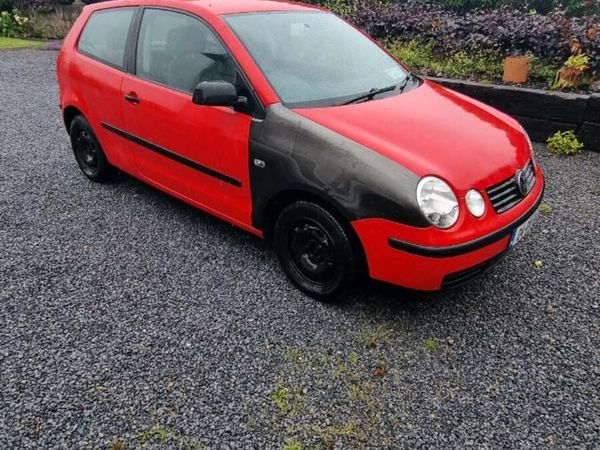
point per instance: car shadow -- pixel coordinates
(371, 295)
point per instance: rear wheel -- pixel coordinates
(88, 153)
(316, 251)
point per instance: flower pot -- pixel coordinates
(570, 76)
(516, 69)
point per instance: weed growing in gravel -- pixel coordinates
(374, 338)
(164, 435)
(330, 434)
(292, 445)
(293, 354)
(564, 143)
(538, 264)
(158, 433)
(288, 400)
(431, 344)
(545, 208)
(353, 358)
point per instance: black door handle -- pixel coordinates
(132, 98)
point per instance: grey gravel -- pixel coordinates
(127, 317)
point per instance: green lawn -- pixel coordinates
(11, 43)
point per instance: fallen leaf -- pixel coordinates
(37, 428)
(118, 445)
(381, 370)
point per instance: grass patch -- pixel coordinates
(293, 445)
(14, 44)
(431, 344)
(330, 434)
(545, 208)
(288, 400)
(166, 437)
(374, 338)
(159, 433)
(293, 354)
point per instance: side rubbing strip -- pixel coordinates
(174, 156)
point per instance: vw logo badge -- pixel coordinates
(522, 182)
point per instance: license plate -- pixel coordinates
(519, 232)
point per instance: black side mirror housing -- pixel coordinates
(218, 93)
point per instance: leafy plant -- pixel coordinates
(288, 400)
(545, 208)
(579, 62)
(12, 24)
(504, 30)
(344, 8)
(564, 143)
(431, 344)
(570, 75)
(427, 59)
(293, 445)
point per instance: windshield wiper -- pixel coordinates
(369, 95)
(402, 85)
(376, 91)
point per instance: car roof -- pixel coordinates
(247, 6)
(216, 7)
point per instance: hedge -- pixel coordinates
(552, 37)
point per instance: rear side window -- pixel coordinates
(105, 36)
(179, 51)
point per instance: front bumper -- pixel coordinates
(430, 259)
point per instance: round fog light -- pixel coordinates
(475, 203)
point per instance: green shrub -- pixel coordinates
(483, 65)
(564, 143)
(12, 24)
(344, 8)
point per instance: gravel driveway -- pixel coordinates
(130, 320)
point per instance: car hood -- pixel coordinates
(432, 130)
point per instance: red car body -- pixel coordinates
(428, 130)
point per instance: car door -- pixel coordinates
(197, 152)
(96, 76)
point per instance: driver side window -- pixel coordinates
(179, 51)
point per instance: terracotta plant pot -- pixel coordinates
(570, 76)
(516, 69)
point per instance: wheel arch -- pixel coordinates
(69, 113)
(278, 202)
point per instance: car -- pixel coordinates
(287, 121)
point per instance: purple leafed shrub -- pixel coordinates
(551, 37)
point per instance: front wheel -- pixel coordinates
(316, 251)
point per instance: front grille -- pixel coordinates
(459, 278)
(507, 194)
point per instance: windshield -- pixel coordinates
(314, 58)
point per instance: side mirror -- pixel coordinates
(218, 93)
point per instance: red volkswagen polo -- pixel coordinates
(288, 122)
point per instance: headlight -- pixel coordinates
(437, 202)
(475, 203)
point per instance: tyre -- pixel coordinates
(88, 153)
(316, 251)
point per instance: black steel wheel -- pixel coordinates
(316, 251)
(88, 153)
